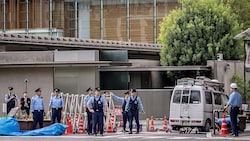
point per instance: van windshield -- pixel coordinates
(192, 97)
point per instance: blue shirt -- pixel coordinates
(7, 96)
(56, 102)
(235, 99)
(91, 101)
(117, 98)
(37, 103)
(133, 98)
(86, 99)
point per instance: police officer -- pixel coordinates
(132, 106)
(25, 103)
(124, 112)
(11, 99)
(37, 108)
(56, 104)
(87, 113)
(97, 105)
(235, 103)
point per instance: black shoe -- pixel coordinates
(137, 132)
(95, 134)
(101, 134)
(130, 132)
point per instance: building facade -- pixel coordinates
(120, 20)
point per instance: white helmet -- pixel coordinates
(233, 85)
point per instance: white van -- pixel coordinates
(193, 101)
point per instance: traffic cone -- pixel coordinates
(110, 125)
(69, 129)
(223, 130)
(165, 124)
(81, 126)
(151, 125)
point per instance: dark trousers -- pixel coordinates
(38, 118)
(133, 114)
(125, 119)
(9, 107)
(89, 126)
(56, 115)
(233, 117)
(27, 110)
(98, 120)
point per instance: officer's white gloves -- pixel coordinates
(85, 114)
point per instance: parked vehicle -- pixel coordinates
(193, 101)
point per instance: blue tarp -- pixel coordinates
(9, 127)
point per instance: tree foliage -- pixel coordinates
(241, 86)
(241, 8)
(197, 31)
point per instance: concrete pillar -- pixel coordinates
(156, 79)
(84, 19)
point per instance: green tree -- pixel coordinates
(241, 8)
(241, 86)
(197, 31)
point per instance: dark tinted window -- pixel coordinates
(217, 98)
(195, 97)
(208, 97)
(177, 96)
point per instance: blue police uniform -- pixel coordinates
(132, 106)
(124, 112)
(37, 108)
(89, 114)
(97, 103)
(57, 104)
(235, 102)
(10, 104)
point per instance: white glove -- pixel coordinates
(85, 114)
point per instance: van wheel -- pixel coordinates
(207, 126)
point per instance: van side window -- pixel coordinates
(177, 96)
(217, 98)
(208, 96)
(195, 97)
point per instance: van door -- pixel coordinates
(218, 105)
(184, 106)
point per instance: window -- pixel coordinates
(208, 97)
(195, 97)
(185, 96)
(177, 96)
(217, 98)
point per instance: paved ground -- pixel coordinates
(159, 136)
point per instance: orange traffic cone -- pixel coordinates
(111, 122)
(165, 124)
(223, 130)
(81, 126)
(151, 125)
(69, 129)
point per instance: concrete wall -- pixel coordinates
(38, 78)
(224, 71)
(76, 79)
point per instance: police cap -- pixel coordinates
(98, 89)
(10, 88)
(38, 90)
(57, 90)
(89, 89)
